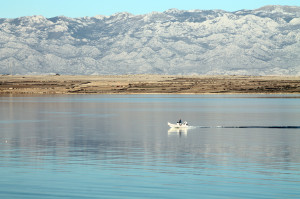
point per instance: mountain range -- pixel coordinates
(264, 41)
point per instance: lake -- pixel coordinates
(120, 146)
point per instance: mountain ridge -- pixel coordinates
(264, 41)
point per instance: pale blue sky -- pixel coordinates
(81, 8)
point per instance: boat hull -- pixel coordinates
(178, 125)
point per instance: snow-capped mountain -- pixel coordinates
(264, 41)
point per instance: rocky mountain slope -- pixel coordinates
(264, 41)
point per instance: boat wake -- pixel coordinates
(252, 127)
(184, 131)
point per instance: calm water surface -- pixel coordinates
(119, 146)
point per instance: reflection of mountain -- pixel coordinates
(199, 149)
(262, 41)
(94, 129)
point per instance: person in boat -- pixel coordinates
(179, 122)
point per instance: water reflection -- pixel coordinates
(178, 131)
(103, 130)
(121, 140)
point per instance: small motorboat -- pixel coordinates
(178, 125)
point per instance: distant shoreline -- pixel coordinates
(148, 84)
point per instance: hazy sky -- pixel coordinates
(81, 8)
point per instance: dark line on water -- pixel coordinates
(262, 127)
(253, 127)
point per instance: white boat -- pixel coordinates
(178, 125)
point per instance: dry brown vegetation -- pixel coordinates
(138, 84)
